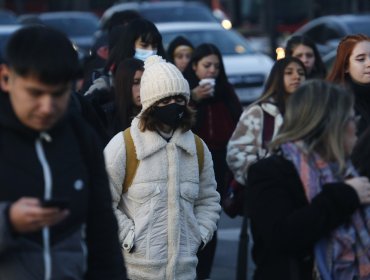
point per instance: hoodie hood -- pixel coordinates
(178, 41)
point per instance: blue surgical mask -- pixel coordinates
(144, 54)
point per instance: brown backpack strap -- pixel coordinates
(200, 152)
(131, 160)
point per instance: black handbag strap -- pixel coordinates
(268, 128)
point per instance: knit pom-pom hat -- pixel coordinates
(161, 79)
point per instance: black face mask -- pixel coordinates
(170, 115)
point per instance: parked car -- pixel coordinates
(5, 32)
(78, 26)
(327, 31)
(246, 68)
(171, 11)
(7, 17)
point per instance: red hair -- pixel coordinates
(344, 51)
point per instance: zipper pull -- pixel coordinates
(45, 136)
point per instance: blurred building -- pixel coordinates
(34, 6)
(288, 15)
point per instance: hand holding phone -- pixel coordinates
(61, 203)
(28, 215)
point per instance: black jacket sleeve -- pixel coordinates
(105, 260)
(280, 214)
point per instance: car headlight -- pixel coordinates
(226, 24)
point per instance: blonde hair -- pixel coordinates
(317, 114)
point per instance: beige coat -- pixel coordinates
(169, 209)
(245, 145)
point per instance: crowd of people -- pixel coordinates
(117, 170)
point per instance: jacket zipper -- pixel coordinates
(47, 195)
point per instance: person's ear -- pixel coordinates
(4, 77)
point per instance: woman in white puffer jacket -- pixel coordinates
(170, 209)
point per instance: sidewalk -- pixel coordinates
(225, 263)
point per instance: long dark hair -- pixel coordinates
(275, 86)
(123, 82)
(224, 91)
(319, 69)
(125, 47)
(222, 83)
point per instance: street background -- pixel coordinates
(225, 263)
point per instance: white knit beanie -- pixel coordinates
(161, 79)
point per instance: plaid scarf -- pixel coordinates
(347, 250)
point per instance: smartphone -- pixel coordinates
(61, 203)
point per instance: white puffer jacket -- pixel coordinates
(169, 209)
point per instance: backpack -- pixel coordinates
(132, 162)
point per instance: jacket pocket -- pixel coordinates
(142, 193)
(189, 191)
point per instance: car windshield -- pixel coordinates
(178, 13)
(230, 44)
(73, 27)
(360, 26)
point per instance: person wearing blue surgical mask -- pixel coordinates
(139, 39)
(143, 49)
